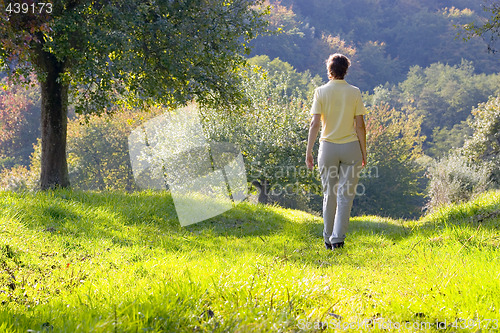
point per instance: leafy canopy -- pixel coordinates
(166, 51)
(392, 181)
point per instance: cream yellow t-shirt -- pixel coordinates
(338, 103)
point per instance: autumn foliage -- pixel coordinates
(19, 122)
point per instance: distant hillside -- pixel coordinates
(384, 38)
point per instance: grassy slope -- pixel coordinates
(91, 262)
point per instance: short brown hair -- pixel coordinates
(337, 65)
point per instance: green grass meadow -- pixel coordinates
(114, 262)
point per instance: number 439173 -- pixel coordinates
(33, 8)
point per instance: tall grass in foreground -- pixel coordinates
(114, 262)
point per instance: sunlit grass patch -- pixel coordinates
(87, 261)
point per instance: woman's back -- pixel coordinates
(338, 103)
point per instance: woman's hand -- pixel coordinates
(309, 161)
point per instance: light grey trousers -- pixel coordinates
(339, 166)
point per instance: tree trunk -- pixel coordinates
(54, 121)
(263, 187)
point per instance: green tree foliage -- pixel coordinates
(271, 133)
(18, 178)
(375, 66)
(147, 52)
(98, 157)
(443, 95)
(298, 43)
(453, 179)
(289, 36)
(483, 147)
(19, 122)
(418, 32)
(444, 139)
(446, 94)
(325, 45)
(392, 183)
(299, 83)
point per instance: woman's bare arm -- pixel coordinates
(361, 132)
(313, 134)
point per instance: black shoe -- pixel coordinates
(337, 245)
(328, 246)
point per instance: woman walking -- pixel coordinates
(338, 109)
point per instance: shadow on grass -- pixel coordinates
(80, 214)
(105, 214)
(110, 215)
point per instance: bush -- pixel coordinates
(18, 178)
(453, 179)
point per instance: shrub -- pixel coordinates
(453, 179)
(18, 178)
